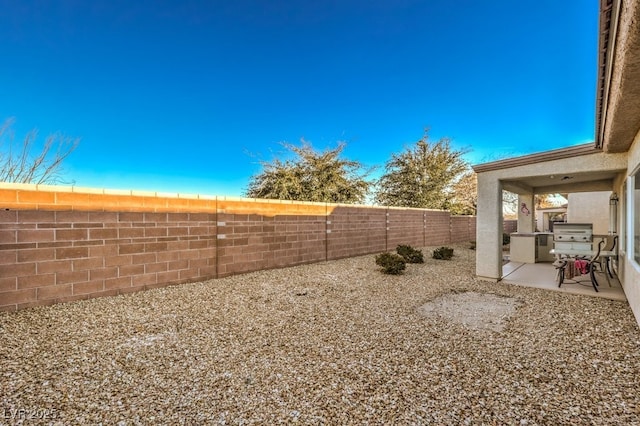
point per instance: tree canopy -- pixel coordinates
(18, 163)
(311, 176)
(422, 176)
(464, 197)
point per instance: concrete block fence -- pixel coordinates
(510, 225)
(60, 244)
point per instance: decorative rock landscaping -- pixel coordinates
(330, 343)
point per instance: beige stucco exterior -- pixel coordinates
(606, 165)
(590, 207)
(529, 178)
(489, 228)
(629, 270)
(543, 217)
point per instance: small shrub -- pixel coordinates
(409, 254)
(444, 253)
(391, 263)
(472, 245)
(506, 238)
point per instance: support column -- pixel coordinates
(526, 214)
(489, 228)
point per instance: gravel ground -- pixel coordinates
(330, 343)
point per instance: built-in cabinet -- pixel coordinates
(531, 247)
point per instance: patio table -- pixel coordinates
(590, 255)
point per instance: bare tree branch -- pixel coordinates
(18, 165)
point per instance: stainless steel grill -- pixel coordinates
(573, 236)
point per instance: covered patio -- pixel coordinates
(543, 275)
(581, 168)
(610, 163)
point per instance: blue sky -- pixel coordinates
(187, 96)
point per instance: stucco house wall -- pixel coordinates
(543, 215)
(629, 270)
(491, 181)
(590, 207)
(617, 138)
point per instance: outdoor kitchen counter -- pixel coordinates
(531, 247)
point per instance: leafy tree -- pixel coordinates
(311, 176)
(509, 204)
(19, 165)
(422, 175)
(549, 200)
(464, 199)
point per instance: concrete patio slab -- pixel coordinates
(543, 275)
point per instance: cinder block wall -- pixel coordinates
(463, 228)
(438, 229)
(353, 231)
(406, 226)
(510, 226)
(262, 234)
(59, 244)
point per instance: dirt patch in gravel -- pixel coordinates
(478, 311)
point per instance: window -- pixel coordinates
(635, 216)
(622, 208)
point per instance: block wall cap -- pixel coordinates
(208, 197)
(167, 194)
(79, 190)
(144, 193)
(117, 192)
(26, 186)
(188, 196)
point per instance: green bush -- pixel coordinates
(506, 238)
(391, 263)
(444, 253)
(409, 254)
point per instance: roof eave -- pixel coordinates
(618, 92)
(540, 157)
(605, 52)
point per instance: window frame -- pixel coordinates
(633, 218)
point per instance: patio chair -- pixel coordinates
(606, 262)
(567, 269)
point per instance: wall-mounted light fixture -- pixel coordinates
(613, 213)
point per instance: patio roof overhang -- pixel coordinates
(618, 91)
(598, 166)
(579, 168)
